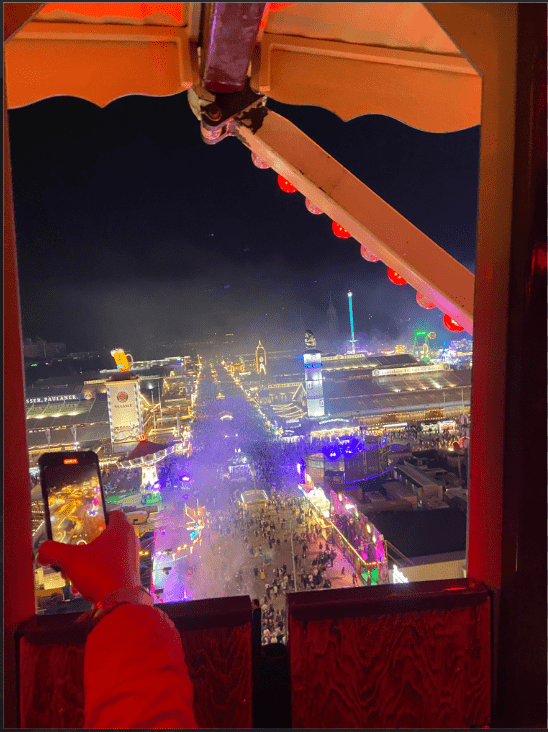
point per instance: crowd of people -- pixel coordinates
(287, 550)
(282, 548)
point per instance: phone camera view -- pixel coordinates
(75, 505)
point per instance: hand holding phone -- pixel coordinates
(97, 558)
(108, 563)
(74, 503)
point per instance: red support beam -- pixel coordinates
(18, 565)
(507, 502)
(18, 561)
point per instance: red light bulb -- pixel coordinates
(451, 324)
(368, 255)
(339, 231)
(285, 185)
(396, 278)
(424, 302)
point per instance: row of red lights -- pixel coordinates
(368, 255)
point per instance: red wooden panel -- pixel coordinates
(216, 638)
(219, 664)
(426, 668)
(51, 690)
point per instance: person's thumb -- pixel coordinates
(54, 552)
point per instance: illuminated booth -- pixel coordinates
(364, 538)
(342, 523)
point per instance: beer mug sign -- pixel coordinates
(123, 360)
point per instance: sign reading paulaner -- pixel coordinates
(124, 412)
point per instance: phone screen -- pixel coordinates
(72, 488)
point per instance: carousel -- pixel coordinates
(145, 457)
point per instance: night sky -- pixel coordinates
(131, 231)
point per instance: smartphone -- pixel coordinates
(74, 502)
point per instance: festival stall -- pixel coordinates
(319, 502)
(342, 524)
(363, 536)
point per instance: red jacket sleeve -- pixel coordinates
(135, 674)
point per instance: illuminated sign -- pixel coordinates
(314, 386)
(122, 359)
(70, 461)
(412, 370)
(54, 399)
(124, 412)
(343, 357)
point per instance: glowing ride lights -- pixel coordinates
(312, 207)
(151, 495)
(317, 498)
(368, 255)
(451, 324)
(395, 277)
(340, 231)
(352, 338)
(285, 185)
(424, 302)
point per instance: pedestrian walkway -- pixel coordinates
(223, 565)
(334, 574)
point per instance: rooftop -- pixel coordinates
(66, 414)
(250, 497)
(84, 435)
(399, 488)
(423, 533)
(415, 474)
(418, 399)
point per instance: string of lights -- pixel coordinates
(369, 256)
